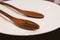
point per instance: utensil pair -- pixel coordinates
(25, 24)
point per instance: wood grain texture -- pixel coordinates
(25, 12)
(24, 24)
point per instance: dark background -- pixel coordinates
(53, 35)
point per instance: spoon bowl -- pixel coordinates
(25, 12)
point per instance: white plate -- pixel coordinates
(50, 22)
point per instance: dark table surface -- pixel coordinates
(53, 35)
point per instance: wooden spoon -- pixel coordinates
(25, 24)
(25, 12)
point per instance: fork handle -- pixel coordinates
(5, 14)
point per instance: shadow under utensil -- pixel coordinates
(5, 19)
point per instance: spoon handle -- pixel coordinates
(9, 5)
(5, 14)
